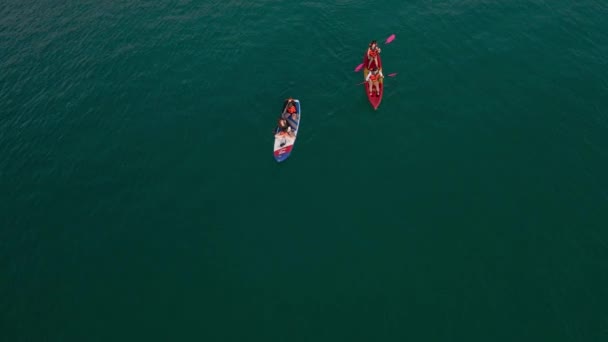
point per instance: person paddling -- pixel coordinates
(372, 54)
(373, 79)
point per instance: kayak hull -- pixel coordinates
(283, 143)
(374, 99)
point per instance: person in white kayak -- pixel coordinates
(290, 110)
(373, 79)
(284, 128)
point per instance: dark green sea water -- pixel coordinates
(139, 200)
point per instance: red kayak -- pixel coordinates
(374, 98)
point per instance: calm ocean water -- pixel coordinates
(140, 199)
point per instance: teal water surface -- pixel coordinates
(140, 199)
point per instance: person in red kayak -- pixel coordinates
(373, 79)
(372, 54)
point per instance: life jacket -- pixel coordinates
(373, 77)
(291, 109)
(373, 52)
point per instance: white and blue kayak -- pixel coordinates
(284, 141)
